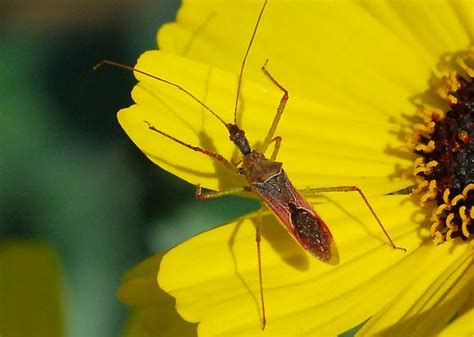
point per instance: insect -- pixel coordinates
(265, 175)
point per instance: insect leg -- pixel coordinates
(281, 108)
(258, 240)
(277, 141)
(217, 194)
(209, 153)
(309, 191)
(403, 191)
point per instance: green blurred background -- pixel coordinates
(69, 176)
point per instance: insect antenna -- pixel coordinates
(135, 70)
(242, 66)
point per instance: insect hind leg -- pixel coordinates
(315, 190)
(281, 108)
(217, 194)
(258, 241)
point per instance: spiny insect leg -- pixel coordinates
(281, 108)
(209, 153)
(309, 191)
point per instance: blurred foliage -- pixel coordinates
(69, 176)
(30, 290)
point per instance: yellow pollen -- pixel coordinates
(438, 238)
(452, 99)
(424, 113)
(431, 164)
(456, 199)
(428, 168)
(449, 233)
(429, 114)
(426, 148)
(421, 185)
(446, 196)
(420, 161)
(465, 215)
(434, 228)
(452, 226)
(462, 213)
(437, 114)
(469, 71)
(428, 127)
(438, 210)
(467, 189)
(431, 193)
(449, 221)
(465, 221)
(448, 85)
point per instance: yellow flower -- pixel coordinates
(356, 72)
(152, 309)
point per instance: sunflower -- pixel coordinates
(370, 83)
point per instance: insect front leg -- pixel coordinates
(281, 107)
(311, 191)
(214, 155)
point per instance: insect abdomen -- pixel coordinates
(298, 216)
(311, 231)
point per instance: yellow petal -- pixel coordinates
(30, 291)
(461, 327)
(365, 57)
(443, 285)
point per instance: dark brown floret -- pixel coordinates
(444, 170)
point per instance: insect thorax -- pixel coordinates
(259, 169)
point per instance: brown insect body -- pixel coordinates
(268, 179)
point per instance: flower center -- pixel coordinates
(444, 169)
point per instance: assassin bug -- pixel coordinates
(266, 177)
